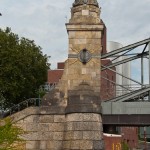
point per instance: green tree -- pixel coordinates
(23, 67)
(10, 136)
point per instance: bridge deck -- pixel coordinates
(125, 108)
(126, 113)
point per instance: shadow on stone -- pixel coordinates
(53, 98)
(83, 99)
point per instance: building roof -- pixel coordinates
(112, 135)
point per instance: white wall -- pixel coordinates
(123, 69)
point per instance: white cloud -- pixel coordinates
(44, 22)
(127, 21)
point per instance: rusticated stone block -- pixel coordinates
(46, 118)
(66, 145)
(80, 41)
(72, 34)
(43, 127)
(97, 126)
(92, 135)
(75, 144)
(56, 127)
(91, 117)
(98, 145)
(30, 136)
(58, 136)
(74, 117)
(59, 118)
(43, 145)
(98, 135)
(88, 135)
(23, 115)
(69, 126)
(69, 135)
(78, 126)
(30, 149)
(86, 144)
(83, 117)
(85, 34)
(32, 145)
(93, 41)
(45, 135)
(73, 135)
(21, 125)
(20, 121)
(86, 126)
(31, 126)
(54, 145)
(77, 135)
(31, 118)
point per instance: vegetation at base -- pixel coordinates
(23, 68)
(10, 136)
(125, 146)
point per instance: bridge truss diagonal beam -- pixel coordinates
(133, 95)
(122, 75)
(132, 46)
(125, 61)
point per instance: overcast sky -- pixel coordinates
(44, 21)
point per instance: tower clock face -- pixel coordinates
(84, 56)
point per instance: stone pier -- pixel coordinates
(83, 129)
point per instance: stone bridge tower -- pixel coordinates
(81, 79)
(84, 31)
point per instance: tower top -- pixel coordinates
(85, 12)
(85, 2)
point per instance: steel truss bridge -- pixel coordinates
(132, 107)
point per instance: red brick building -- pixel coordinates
(108, 79)
(130, 136)
(113, 142)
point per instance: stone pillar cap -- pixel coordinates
(85, 2)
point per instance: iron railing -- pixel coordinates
(23, 105)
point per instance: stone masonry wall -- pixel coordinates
(83, 131)
(44, 130)
(50, 129)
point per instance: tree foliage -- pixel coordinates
(23, 67)
(10, 136)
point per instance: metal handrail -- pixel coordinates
(23, 105)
